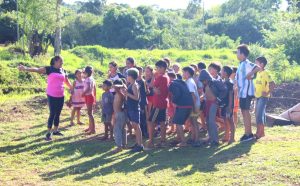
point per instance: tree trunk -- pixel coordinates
(57, 41)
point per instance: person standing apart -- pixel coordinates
(56, 78)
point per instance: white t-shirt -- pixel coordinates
(113, 79)
(91, 82)
(193, 89)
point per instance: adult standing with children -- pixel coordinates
(56, 78)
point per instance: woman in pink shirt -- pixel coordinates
(56, 78)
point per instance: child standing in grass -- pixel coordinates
(264, 86)
(78, 102)
(107, 109)
(149, 87)
(120, 116)
(89, 94)
(133, 107)
(188, 74)
(227, 110)
(236, 98)
(171, 108)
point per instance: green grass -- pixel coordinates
(76, 159)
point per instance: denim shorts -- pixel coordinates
(181, 115)
(260, 110)
(134, 116)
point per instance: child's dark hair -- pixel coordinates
(54, 59)
(178, 76)
(234, 69)
(140, 69)
(162, 64)
(244, 49)
(215, 66)
(77, 71)
(118, 82)
(168, 61)
(88, 70)
(172, 75)
(201, 66)
(113, 63)
(108, 83)
(262, 60)
(130, 60)
(228, 70)
(190, 70)
(133, 72)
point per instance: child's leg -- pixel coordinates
(195, 128)
(163, 131)
(202, 119)
(91, 118)
(232, 130)
(212, 126)
(72, 116)
(78, 115)
(59, 107)
(180, 133)
(111, 130)
(260, 112)
(118, 128)
(235, 118)
(227, 129)
(106, 130)
(138, 133)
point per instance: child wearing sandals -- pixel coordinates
(89, 94)
(76, 99)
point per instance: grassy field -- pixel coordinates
(76, 159)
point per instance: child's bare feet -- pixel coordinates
(90, 132)
(71, 124)
(87, 130)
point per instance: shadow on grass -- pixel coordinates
(185, 161)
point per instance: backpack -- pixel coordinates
(220, 91)
(181, 95)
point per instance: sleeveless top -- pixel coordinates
(55, 81)
(77, 99)
(91, 82)
(132, 105)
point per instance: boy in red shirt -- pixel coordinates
(158, 113)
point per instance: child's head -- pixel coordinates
(176, 67)
(88, 71)
(130, 62)
(118, 84)
(78, 74)
(106, 86)
(243, 52)
(261, 62)
(113, 67)
(226, 72)
(168, 61)
(140, 69)
(148, 72)
(179, 76)
(205, 77)
(56, 62)
(188, 72)
(234, 70)
(214, 69)
(132, 75)
(194, 67)
(124, 81)
(201, 66)
(172, 75)
(161, 67)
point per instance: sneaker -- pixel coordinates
(137, 148)
(57, 133)
(48, 137)
(246, 137)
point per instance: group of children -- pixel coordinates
(167, 100)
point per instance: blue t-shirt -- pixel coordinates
(107, 103)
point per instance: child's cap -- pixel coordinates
(118, 83)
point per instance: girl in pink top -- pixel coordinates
(56, 79)
(89, 93)
(77, 100)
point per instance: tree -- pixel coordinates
(57, 40)
(93, 6)
(193, 10)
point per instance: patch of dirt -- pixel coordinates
(284, 97)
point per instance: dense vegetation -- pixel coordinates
(95, 22)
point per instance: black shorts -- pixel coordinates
(181, 115)
(158, 115)
(202, 106)
(245, 103)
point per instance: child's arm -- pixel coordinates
(136, 94)
(254, 71)
(68, 83)
(23, 68)
(230, 106)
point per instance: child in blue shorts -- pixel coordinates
(133, 107)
